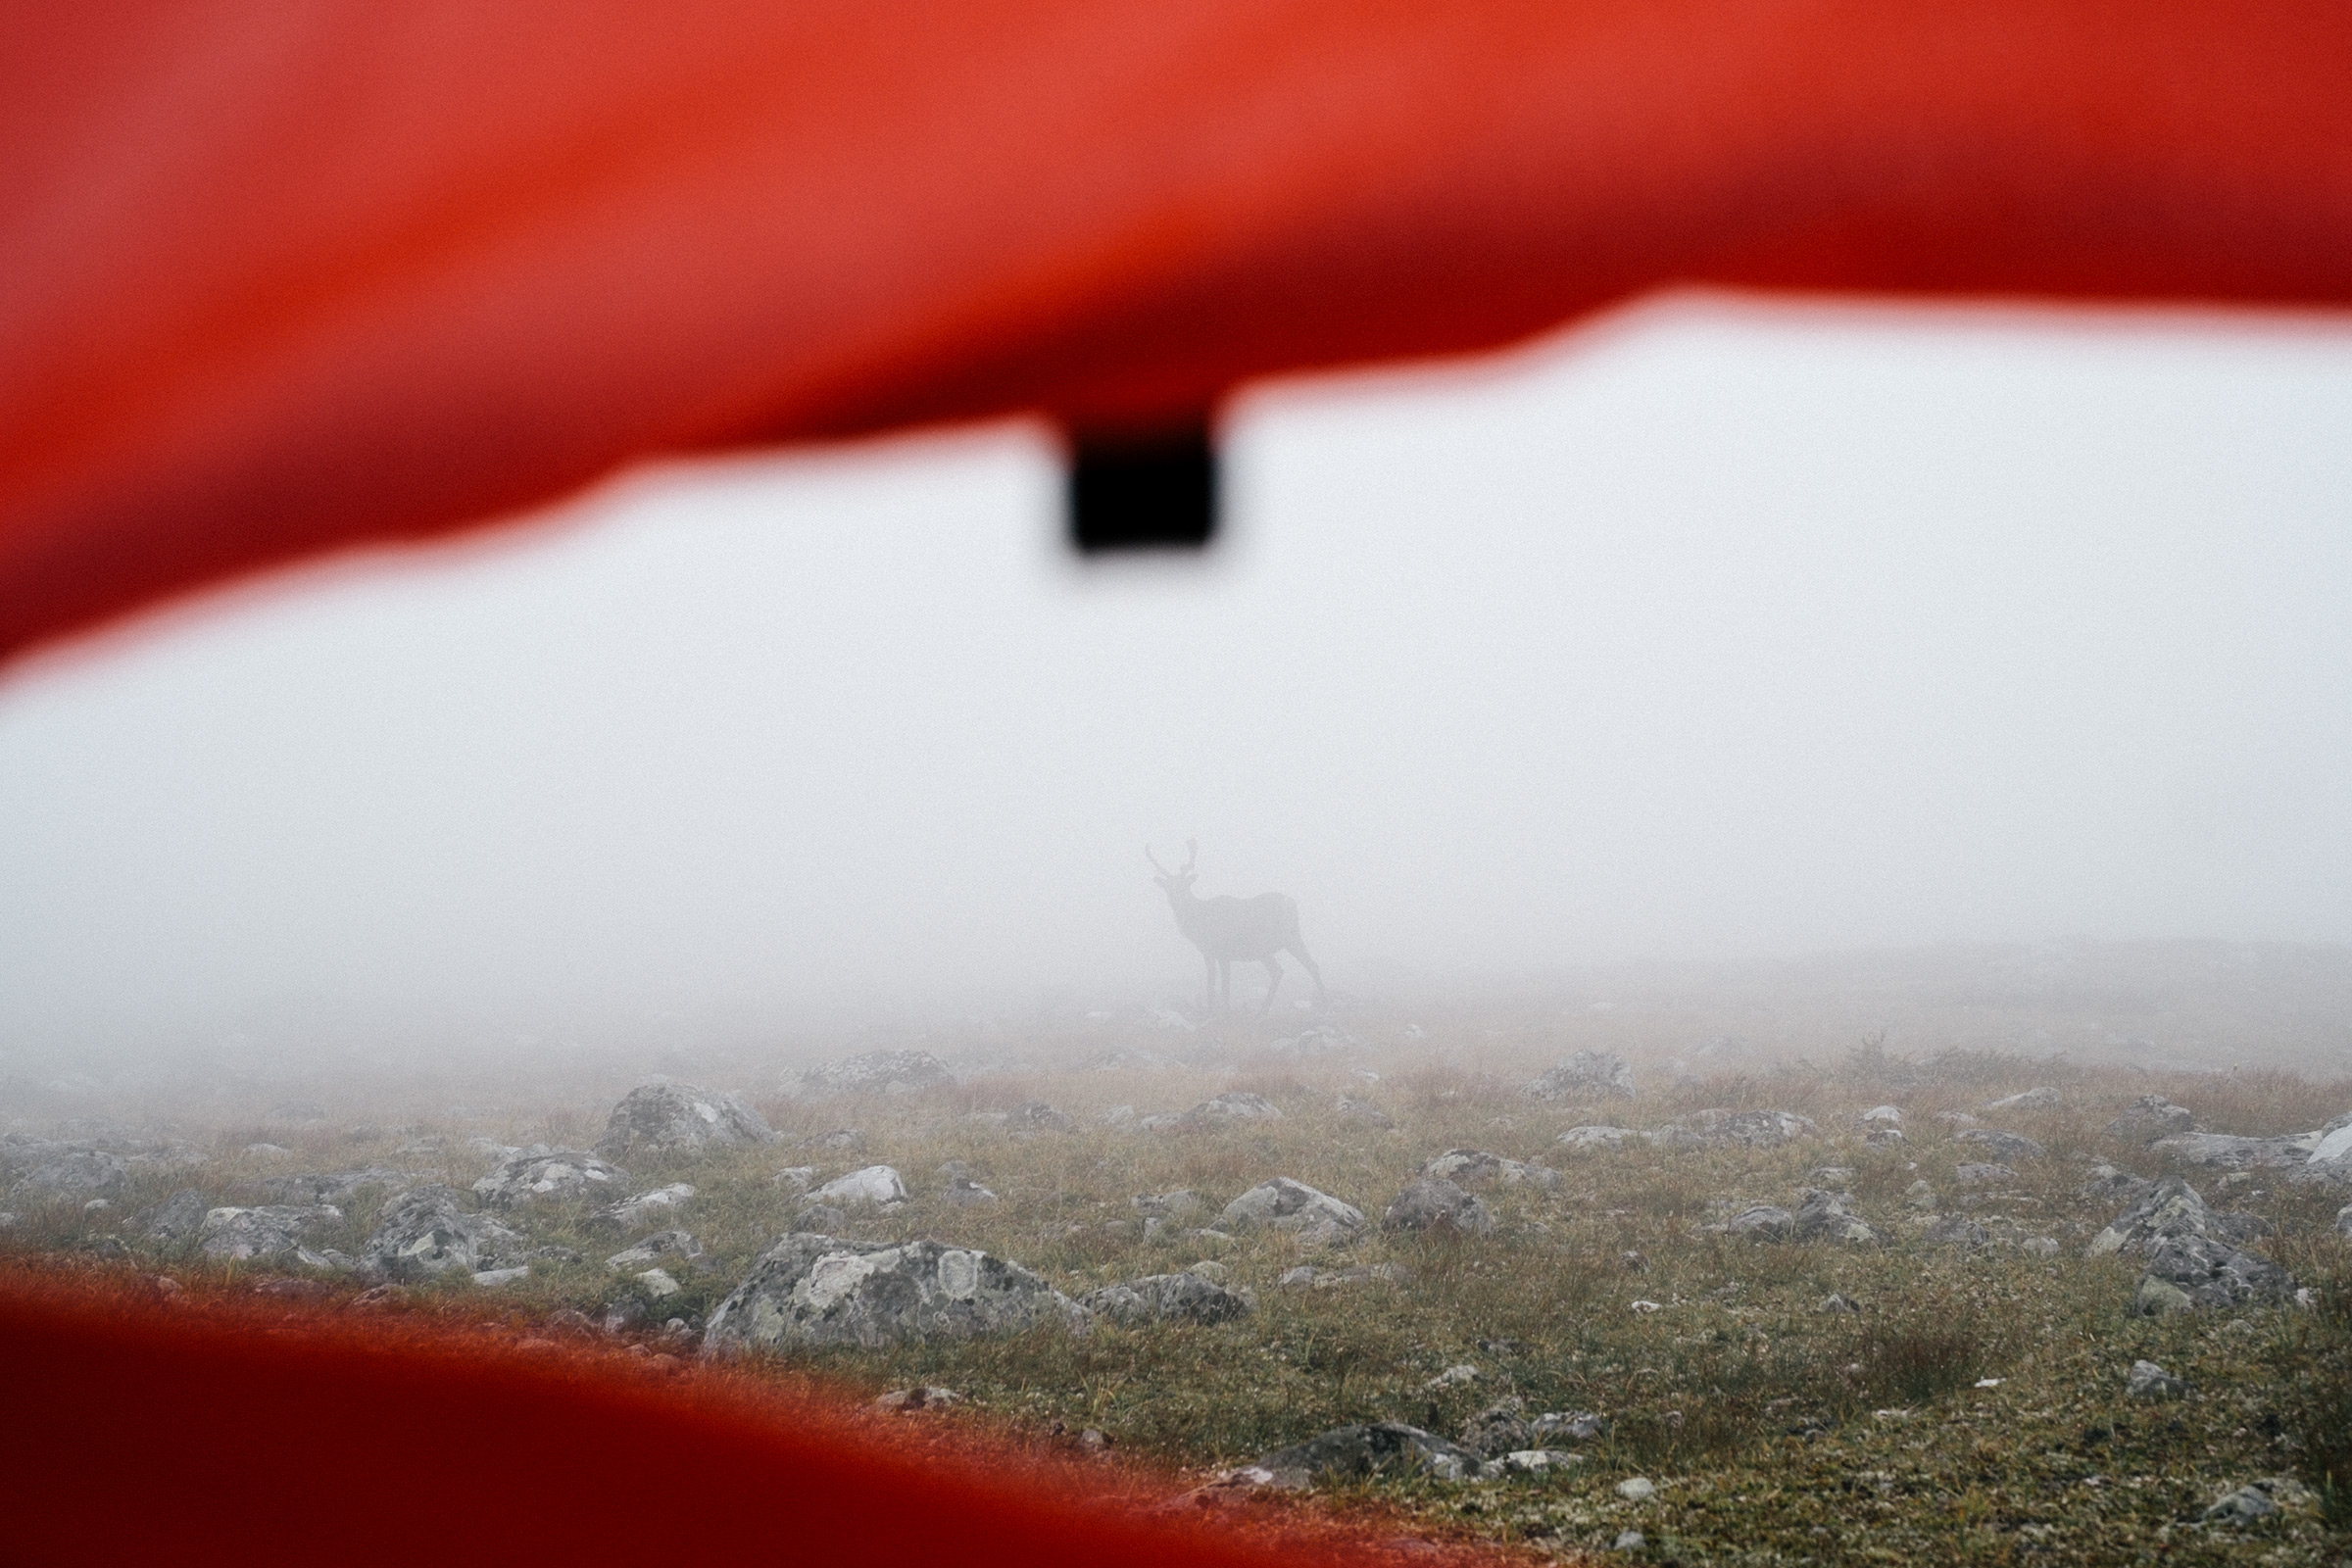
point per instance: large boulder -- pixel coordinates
(2003, 1147)
(2194, 1257)
(1761, 1222)
(551, 1176)
(670, 1120)
(1185, 1297)
(2150, 1117)
(874, 1186)
(1317, 1219)
(813, 1289)
(1348, 1453)
(876, 1072)
(175, 1218)
(273, 1231)
(2330, 1159)
(1474, 1168)
(1586, 1075)
(425, 1230)
(77, 1175)
(1826, 1217)
(1438, 1206)
(1733, 1129)
(659, 1206)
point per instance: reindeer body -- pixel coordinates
(1229, 931)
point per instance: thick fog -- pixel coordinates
(1709, 632)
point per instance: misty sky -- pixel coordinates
(1714, 630)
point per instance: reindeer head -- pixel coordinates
(1176, 883)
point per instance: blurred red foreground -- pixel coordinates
(284, 276)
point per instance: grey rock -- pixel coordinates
(175, 1218)
(2148, 1381)
(965, 1193)
(669, 1121)
(426, 1230)
(2258, 1500)
(1185, 1297)
(2224, 1151)
(812, 1290)
(1761, 1222)
(1356, 1110)
(878, 1186)
(1630, 1539)
(1183, 1203)
(2043, 1098)
(1920, 1196)
(1567, 1426)
(1583, 1076)
(2116, 1185)
(1315, 1218)
(2154, 1297)
(1356, 1452)
(659, 1249)
(2192, 1252)
(2004, 1146)
(334, 1187)
(821, 1219)
(1826, 1217)
(1435, 1204)
(490, 1279)
(1227, 1109)
(1982, 1175)
(633, 1214)
(2213, 1273)
(273, 1231)
(1881, 1116)
(1474, 1168)
(1596, 1136)
(1954, 1231)
(922, 1397)
(2150, 1117)
(838, 1141)
(563, 1175)
(1733, 1129)
(1497, 1430)
(1639, 1489)
(889, 1072)
(2343, 1221)
(77, 1175)
(1837, 1304)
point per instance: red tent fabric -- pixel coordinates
(284, 276)
(288, 275)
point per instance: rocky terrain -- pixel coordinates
(1872, 1306)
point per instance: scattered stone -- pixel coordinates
(1535, 1462)
(658, 1283)
(669, 1120)
(1920, 1196)
(1188, 1296)
(491, 1279)
(2258, 1500)
(1640, 1489)
(81, 1175)
(820, 1219)
(810, 1289)
(1835, 1302)
(1356, 1452)
(2040, 1247)
(1881, 1116)
(2150, 1117)
(1979, 1175)
(1632, 1262)
(654, 1248)
(563, 1175)
(965, 1193)
(838, 1141)
(1307, 1277)
(799, 1178)
(424, 1231)
(2148, 1381)
(1597, 1137)
(1474, 1168)
(1183, 1203)
(175, 1218)
(1729, 1129)
(2003, 1147)
(1497, 1430)
(2040, 1098)
(1954, 1230)
(274, 1231)
(922, 1397)
(1630, 1541)
(1761, 1222)
(1315, 1218)
(1824, 1216)
(633, 1214)
(1437, 1205)
(1452, 1377)
(878, 1186)
(1955, 1118)
(380, 1298)
(2343, 1221)
(889, 1072)
(2224, 1151)
(1229, 1109)
(1841, 1177)
(1373, 1116)
(1576, 1426)
(2116, 1185)
(1586, 1075)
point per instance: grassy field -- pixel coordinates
(1973, 1405)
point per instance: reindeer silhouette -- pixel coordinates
(1229, 930)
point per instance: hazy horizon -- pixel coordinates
(1716, 632)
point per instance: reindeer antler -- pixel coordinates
(1154, 860)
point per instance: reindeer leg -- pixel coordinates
(1209, 984)
(1273, 963)
(1297, 950)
